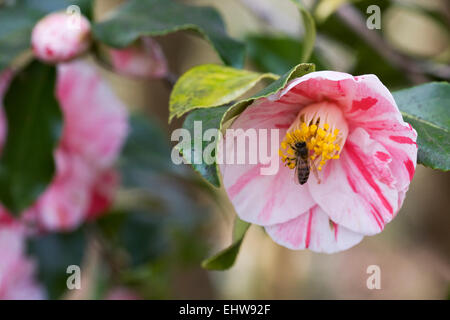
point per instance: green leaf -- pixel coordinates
(53, 253)
(210, 119)
(211, 85)
(16, 24)
(145, 162)
(326, 8)
(226, 258)
(427, 109)
(139, 18)
(48, 6)
(278, 54)
(140, 235)
(146, 151)
(309, 37)
(34, 127)
(274, 87)
(18, 20)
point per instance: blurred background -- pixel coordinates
(413, 252)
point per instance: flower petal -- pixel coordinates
(371, 101)
(317, 87)
(144, 61)
(265, 199)
(56, 38)
(374, 109)
(64, 205)
(358, 191)
(103, 193)
(400, 142)
(17, 271)
(315, 231)
(95, 120)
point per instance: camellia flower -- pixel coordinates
(59, 37)
(17, 272)
(94, 129)
(361, 155)
(145, 59)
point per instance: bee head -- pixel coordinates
(300, 145)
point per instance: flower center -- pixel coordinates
(322, 127)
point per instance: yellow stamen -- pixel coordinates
(322, 139)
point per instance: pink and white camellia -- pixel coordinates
(17, 272)
(59, 37)
(362, 157)
(94, 129)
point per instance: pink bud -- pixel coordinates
(60, 37)
(143, 60)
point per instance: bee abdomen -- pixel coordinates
(303, 174)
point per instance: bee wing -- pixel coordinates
(296, 180)
(299, 165)
(300, 168)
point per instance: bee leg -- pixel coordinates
(289, 160)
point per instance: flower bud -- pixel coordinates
(60, 37)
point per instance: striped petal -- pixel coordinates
(17, 271)
(359, 191)
(64, 205)
(316, 87)
(370, 100)
(374, 109)
(313, 230)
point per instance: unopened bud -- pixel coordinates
(60, 37)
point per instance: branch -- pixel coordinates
(414, 69)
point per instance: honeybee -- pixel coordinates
(302, 165)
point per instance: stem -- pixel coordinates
(415, 70)
(353, 18)
(171, 78)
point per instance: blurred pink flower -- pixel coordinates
(95, 120)
(95, 127)
(143, 60)
(362, 157)
(121, 293)
(17, 272)
(103, 192)
(60, 37)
